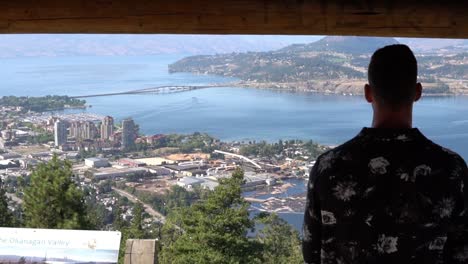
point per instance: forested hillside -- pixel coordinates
(331, 65)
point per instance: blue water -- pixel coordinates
(298, 188)
(226, 113)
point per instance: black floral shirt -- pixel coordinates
(387, 196)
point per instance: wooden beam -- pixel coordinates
(405, 18)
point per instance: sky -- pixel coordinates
(54, 45)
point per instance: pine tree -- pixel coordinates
(214, 230)
(136, 226)
(120, 224)
(53, 200)
(281, 242)
(134, 231)
(6, 217)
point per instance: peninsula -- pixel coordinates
(42, 104)
(334, 65)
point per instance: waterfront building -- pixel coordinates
(82, 130)
(60, 133)
(74, 129)
(89, 130)
(128, 134)
(107, 127)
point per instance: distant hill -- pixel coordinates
(351, 45)
(54, 45)
(330, 65)
(34, 45)
(428, 45)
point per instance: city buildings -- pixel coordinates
(9, 155)
(81, 130)
(189, 182)
(60, 133)
(89, 130)
(130, 163)
(74, 129)
(129, 134)
(107, 127)
(112, 173)
(96, 162)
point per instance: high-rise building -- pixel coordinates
(128, 133)
(60, 133)
(74, 129)
(83, 130)
(88, 130)
(107, 127)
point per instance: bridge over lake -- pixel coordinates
(160, 90)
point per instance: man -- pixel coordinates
(389, 195)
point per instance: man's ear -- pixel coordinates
(418, 92)
(368, 93)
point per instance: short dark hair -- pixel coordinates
(392, 75)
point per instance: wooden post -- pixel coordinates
(141, 251)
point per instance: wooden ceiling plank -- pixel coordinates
(408, 18)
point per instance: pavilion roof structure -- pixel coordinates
(403, 18)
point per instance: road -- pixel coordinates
(147, 207)
(239, 156)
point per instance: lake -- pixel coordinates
(227, 113)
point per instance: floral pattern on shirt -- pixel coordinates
(387, 196)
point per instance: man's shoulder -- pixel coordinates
(450, 157)
(353, 147)
(340, 150)
(439, 150)
(330, 157)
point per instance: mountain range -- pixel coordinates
(53, 45)
(331, 65)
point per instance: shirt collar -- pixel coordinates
(386, 134)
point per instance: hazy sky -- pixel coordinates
(42, 45)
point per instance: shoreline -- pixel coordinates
(292, 88)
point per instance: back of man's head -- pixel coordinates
(392, 75)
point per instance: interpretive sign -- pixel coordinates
(27, 245)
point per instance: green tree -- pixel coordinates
(133, 231)
(212, 231)
(6, 217)
(96, 211)
(136, 225)
(53, 200)
(281, 242)
(119, 224)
